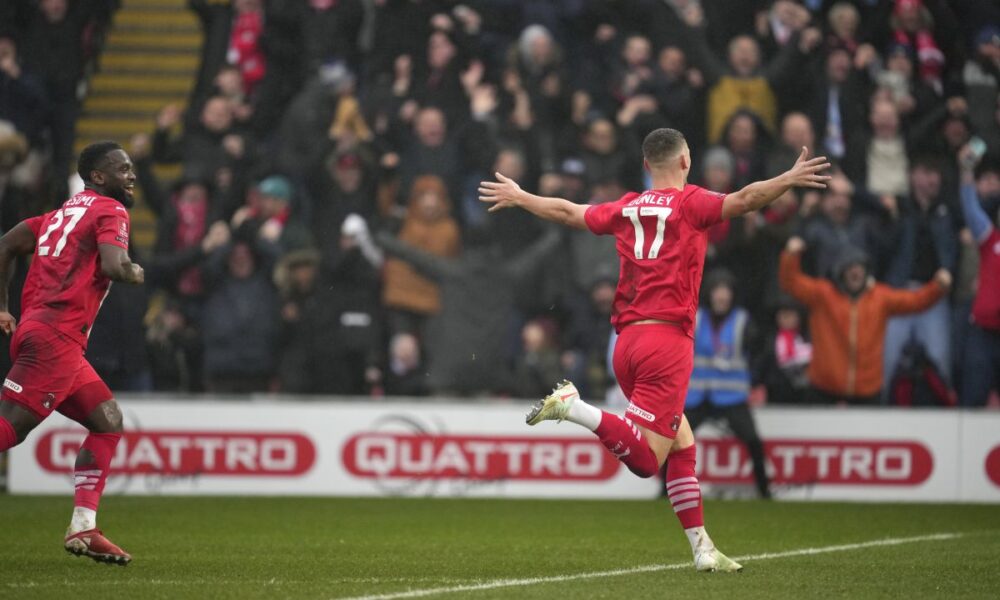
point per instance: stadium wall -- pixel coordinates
(366, 448)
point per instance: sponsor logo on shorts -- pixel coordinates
(642, 414)
(676, 424)
(10, 385)
(50, 399)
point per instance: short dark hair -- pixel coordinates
(92, 155)
(927, 161)
(988, 166)
(662, 144)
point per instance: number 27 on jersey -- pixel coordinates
(65, 218)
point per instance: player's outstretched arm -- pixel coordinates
(19, 241)
(117, 266)
(805, 172)
(505, 193)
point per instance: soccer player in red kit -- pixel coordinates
(661, 241)
(78, 250)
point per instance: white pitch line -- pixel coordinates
(503, 583)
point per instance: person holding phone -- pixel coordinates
(981, 366)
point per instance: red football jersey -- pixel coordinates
(661, 239)
(986, 306)
(65, 286)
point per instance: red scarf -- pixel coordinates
(244, 49)
(190, 230)
(930, 59)
(790, 349)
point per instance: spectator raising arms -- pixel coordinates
(847, 319)
(982, 351)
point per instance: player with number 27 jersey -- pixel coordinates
(661, 243)
(65, 287)
(77, 250)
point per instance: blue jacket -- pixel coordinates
(721, 370)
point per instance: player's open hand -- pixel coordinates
(806, 172)
(502, 193)
(8, 324)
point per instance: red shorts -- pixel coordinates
(653, 363)
(50, 373)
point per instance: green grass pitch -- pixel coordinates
(320, 548)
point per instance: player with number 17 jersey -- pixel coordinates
(65, 287)
(661, 242)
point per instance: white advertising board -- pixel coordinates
(485, 450)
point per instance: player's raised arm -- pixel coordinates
(19, 241)
(505, 193)
(117, 266)
(805, 172)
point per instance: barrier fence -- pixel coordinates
(271, 447)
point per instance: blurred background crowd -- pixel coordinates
(324, 235)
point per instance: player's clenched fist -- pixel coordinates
(795, 245)
(7, 322)
(943, 278)
(138, 275)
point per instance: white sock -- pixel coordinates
(699, 539)
(584, 414)
(83, 519)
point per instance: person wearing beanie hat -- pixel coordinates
(267, 217)
(848, 318)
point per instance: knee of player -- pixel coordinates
(646, 473)
(111, 420)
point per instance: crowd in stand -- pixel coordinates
(325, 236)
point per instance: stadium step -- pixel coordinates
(115, 127)
(131, 40)
(152, 4)
(132, 19)
(130, 105)
(113, 82)
(150, 59)
(148, 62)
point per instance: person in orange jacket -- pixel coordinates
(847, 320)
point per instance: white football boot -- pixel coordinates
(555, 406)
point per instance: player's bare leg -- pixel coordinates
(83, 538)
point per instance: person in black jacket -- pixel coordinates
(240, 322)
(52, 48)
(466, 339)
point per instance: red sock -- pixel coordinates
(8, 437)
(90, 478)
(623, 439)
(683, 489)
